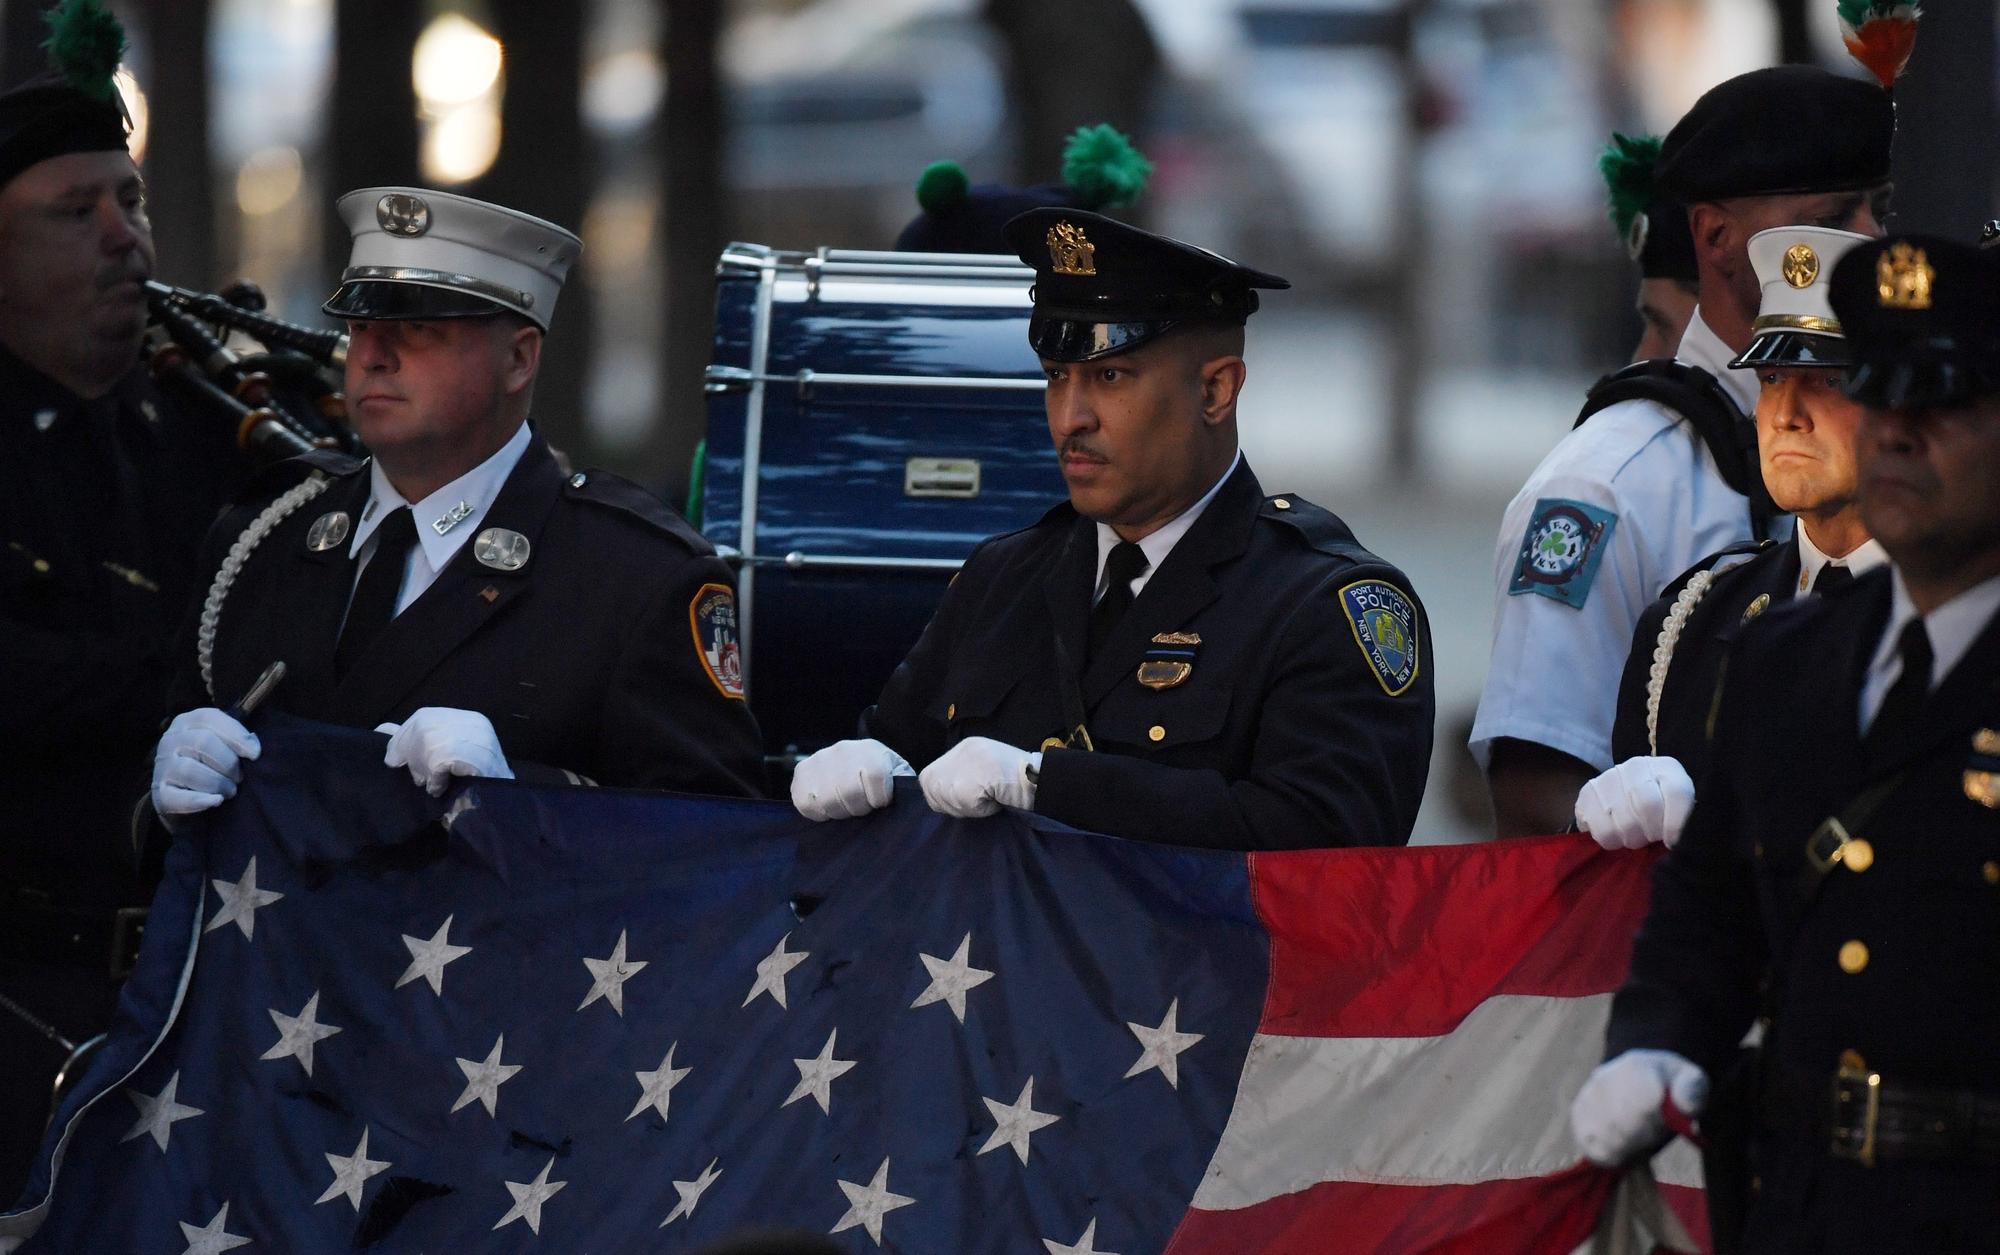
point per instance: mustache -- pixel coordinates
(1075, 445)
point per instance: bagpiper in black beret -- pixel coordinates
(74, 107)
(1104, 287)
(1653, 227)
(1922, 320)
(1786, 129)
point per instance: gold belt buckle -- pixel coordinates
(1827, 845)
(1857, 1103)
(128, 930)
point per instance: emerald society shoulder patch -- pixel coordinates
(1560, 553)
(1384, 620)
(712, 619)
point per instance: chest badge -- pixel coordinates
(1759, 605)
(501, 549)
(1982, 771)
(1169, 660)
(327, 531)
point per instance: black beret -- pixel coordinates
(1103, 286)
(47, 117)
(1922, 320)
(973, 221)
(1780, 130)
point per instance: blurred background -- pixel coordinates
(1423, 170)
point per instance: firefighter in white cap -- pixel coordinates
(458, 591)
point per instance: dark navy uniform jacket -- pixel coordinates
(1738, 595)
(588, 660)
(1286, 732)
(1919, 922)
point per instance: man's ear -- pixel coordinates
(1714, 230)
(1221, 385)
(523, 357)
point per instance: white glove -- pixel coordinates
(847, 780)
(1640, 801)
(978, 776)
(1616, 1116)
(439, 742)
(199, 762)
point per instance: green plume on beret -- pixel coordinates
(1628, 163)
(1103, 167)
(941, 186)
(85, 45)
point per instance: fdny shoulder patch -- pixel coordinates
(1384, 620)
(712, 620)
(1561, 552)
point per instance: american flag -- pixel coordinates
(599, 1021)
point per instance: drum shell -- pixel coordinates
(861, 389)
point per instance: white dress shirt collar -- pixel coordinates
(468, 498)
(1702, 347)
(1952, 628)
(1160, 542)
(1865, 557)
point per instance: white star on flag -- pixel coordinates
(950, 979)
(772, 970)
(1085, 1245)
(212, 1238)
(351, 1173)
(608, 977)
(158, 1113)
(483, 1080)
(241, 900)
(529, 1197)
(1016, 1123)
(691, 1192)
(1162, 1046)
(816, 1076)
(867, 1204)
(298, 1034)
(654, 1087)
(427, 958)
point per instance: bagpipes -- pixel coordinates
(284, 400)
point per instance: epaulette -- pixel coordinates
(268, 481)
(602, 488)
(1321, 528)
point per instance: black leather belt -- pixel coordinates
(1867, 1118)
(39, 933)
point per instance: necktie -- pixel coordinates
(1123, 566)
(374, 601)
(1831, 579)
(1905, 699)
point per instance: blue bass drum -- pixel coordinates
(871, 418)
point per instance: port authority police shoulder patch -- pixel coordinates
(1384, 620)
(1561, 552)
(712, 619)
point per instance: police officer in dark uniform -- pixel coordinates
(1840, 875)
(496, 616)
(1805, 436)
(106, 488)
(1171, 655)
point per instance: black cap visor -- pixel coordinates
(1059, 339)
(1787, 348)
(367, 299)
(1941, 374)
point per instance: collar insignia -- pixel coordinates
(451, 518)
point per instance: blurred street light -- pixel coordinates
(455, 69)
(268, 180)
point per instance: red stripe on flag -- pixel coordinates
(1689, 1203)
(1406, 942)
(1533, 1216)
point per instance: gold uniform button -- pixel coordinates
(1156, 733)
(951, 711)
(1857, 855)
(1281, 504)
(1991, 872)
(41, 566)
(1853, 957)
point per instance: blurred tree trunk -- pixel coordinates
(180, 175)
(371, 139)
(1410, 250)
(1070, 65)
(22, 32)
(1945, 118)
(1795, 45)
(544, 169)
(693, 119)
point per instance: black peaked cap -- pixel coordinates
(1922, 320)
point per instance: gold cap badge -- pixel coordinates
(1903, 277)
(1801, 266)
(1069, 252)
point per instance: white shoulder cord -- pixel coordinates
(1663, 651)
(239, 553)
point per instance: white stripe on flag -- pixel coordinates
(1487, 1101)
